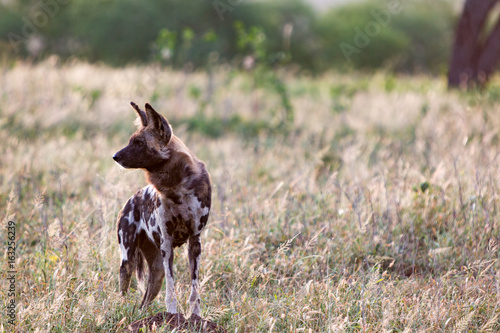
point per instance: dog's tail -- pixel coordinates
(139, 269)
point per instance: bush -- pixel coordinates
(119, 32)
(356, 35)
(400, 35)
(10, 21)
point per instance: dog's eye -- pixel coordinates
(139, 143)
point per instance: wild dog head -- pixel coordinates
(148, 146)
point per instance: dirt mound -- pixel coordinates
(193, 323)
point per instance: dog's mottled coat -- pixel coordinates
(169, 212)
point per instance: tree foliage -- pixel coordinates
(128, 31)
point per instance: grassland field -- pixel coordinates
(376, 209)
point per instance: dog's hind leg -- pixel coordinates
(156, 270)
(128, 246)
(127, 267)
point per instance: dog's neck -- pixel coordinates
(176, 171)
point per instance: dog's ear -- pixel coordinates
(158, 122)
(141, 114)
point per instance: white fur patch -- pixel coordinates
(164, 153)
(195, 296)
(124, 254)
(170, 299)
(121, 166)
(131, 214)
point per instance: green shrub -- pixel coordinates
(119, 32)
(396, 34)
(10, 21)
(364, 35)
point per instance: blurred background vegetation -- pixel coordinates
(197, 34)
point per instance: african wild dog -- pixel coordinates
(169, 212)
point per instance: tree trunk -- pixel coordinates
(473, 61)
(490, 56)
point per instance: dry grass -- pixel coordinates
(377, 212)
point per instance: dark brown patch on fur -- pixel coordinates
(145, 243)
(156, 237)
(125, 211)
(137, 213)
(170, 227)
(146, 196)
(126, 227)
(171, 262)
(195, 249)
(176, 199)
(142, 207)
(203, 222)
(179, 229)
(201, 186)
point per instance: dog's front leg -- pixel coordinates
(194, 265)
(167, 252)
